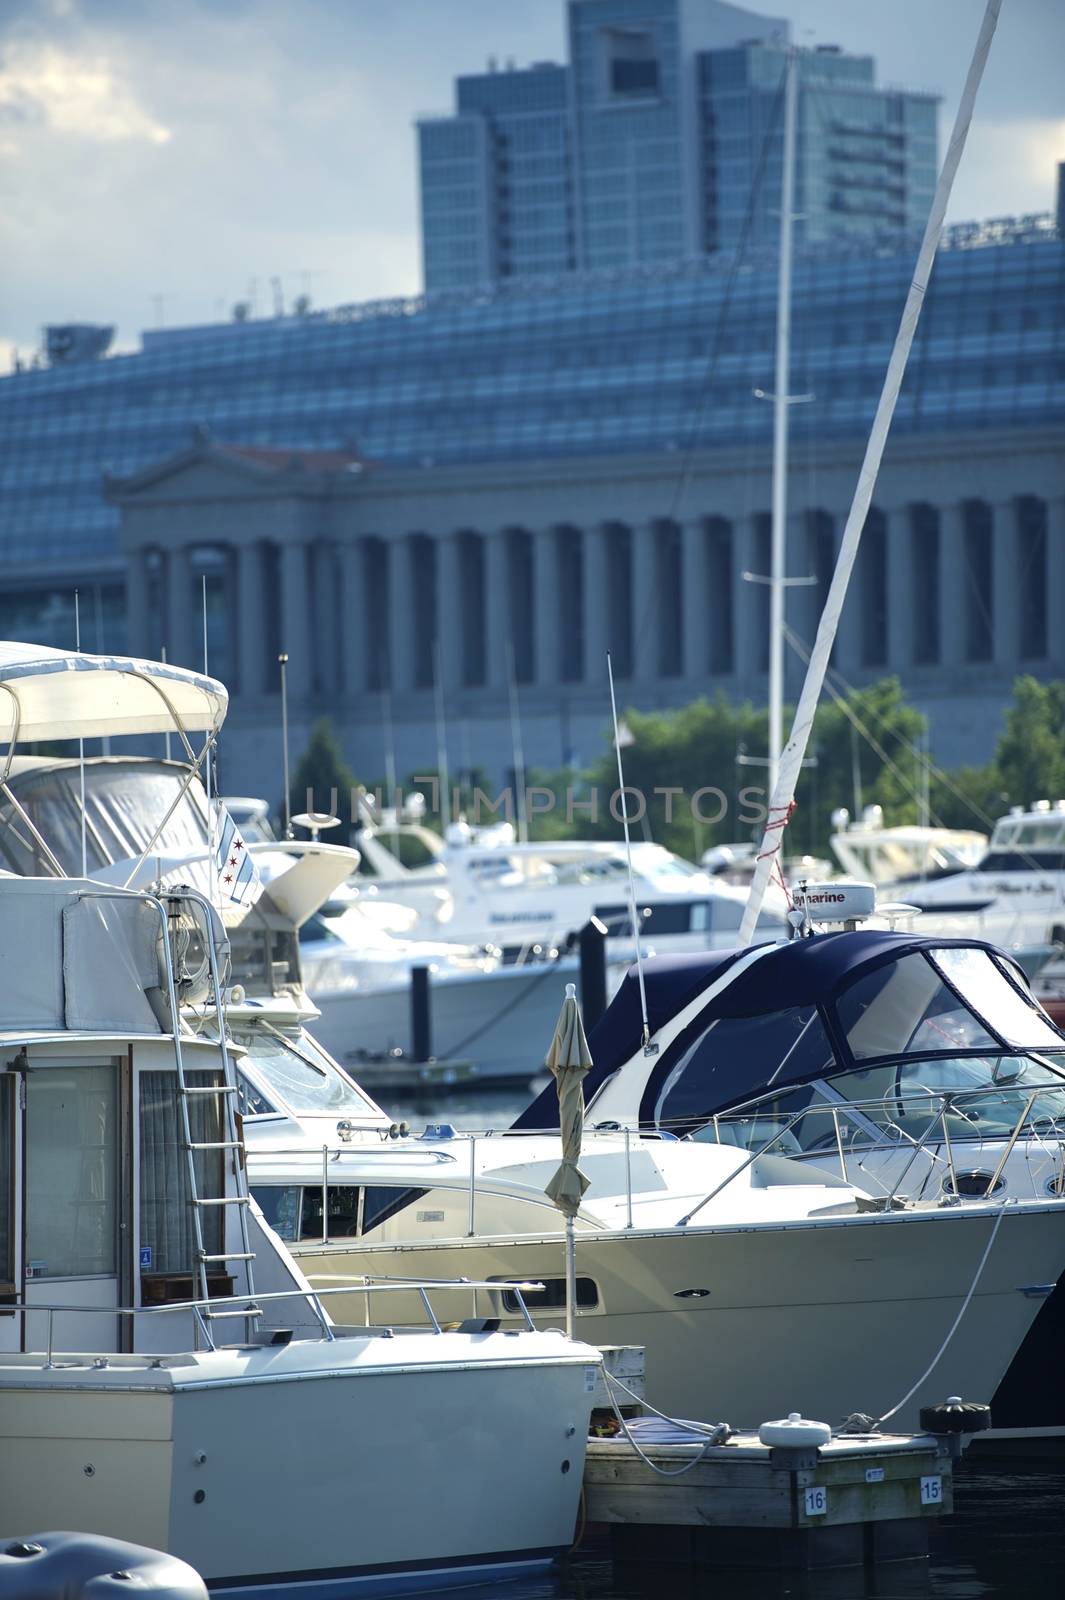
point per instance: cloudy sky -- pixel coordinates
(165, 158)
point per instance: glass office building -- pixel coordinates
(662, 140)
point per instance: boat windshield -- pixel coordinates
(944, 1000)
(301, 1075)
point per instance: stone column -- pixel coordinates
(452, 618)
(497, 609)
(1056, 581)
(138, 623)
(954, 585)
(326, 616)
(647, 601)
(901, 595)
(546, 607)
(296, 636)
(401, 654)
(251, 609)
(1005, 584)
(695, 599)
(746, 619)
(179, 635)
(596, 602)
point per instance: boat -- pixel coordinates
(167, 1376)
(904, 855)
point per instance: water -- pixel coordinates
(1004, 1541)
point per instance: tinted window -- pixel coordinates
(737, 1058)
(383, 1201)
(281, 1208)
(553, 1296)
(904, 1007)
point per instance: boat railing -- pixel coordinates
(941, 1106)
(207, 1310)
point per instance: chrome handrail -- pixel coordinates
(203, 1308)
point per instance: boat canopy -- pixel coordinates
(62, 694)
(732, 1025)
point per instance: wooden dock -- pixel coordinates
(855, 1501)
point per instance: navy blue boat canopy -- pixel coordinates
(796, 1012)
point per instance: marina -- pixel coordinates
(551, 1188)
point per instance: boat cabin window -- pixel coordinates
(304, 1078)
(251, 1102)
(295, 1211)
(167, 1233)
(72, 1171)
(552, 1297)
(905, 1007)
(739, 1056)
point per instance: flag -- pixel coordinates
(237, 874)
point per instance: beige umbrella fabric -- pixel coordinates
(569, 1060)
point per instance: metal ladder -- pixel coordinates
(225, 1092)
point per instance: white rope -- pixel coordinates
(954, 1325)
(711, 1432)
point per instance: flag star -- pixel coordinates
(228, 878)
(232, 861)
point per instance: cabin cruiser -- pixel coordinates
(903, 855)
(916, 1066)
(158, 1346)
(695, 1250)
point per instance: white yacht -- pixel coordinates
(482, 886)
(904, 855)
(166, 1375)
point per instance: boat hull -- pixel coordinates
(829, 1316)
(309, 1479)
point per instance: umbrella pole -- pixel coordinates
(571, 1280)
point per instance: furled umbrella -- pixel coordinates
(569, 1060)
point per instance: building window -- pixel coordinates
(619, 589)
(630, 63)
(666, 609)
(520, 580)
(571, 604)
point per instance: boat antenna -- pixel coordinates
(286, 804)
(648, 1047)
(442, 776)
(516, 745)
(211, 866)
(81, 752)
(783, 791)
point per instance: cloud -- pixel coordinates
(42, 85)
(1009, 167)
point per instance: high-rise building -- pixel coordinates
(661, 140)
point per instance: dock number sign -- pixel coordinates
(931, 1491)
(816, 1500)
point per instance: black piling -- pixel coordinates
(421, 1028)
(592, 941)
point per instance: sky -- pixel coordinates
(162, 159)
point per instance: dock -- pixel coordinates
(855, 1501)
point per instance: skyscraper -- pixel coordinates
(660, 140)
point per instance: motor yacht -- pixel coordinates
(167, 1377)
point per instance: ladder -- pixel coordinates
(224, 1094)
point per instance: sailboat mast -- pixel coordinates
(783, 790)
(780, 424)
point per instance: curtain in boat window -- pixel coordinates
(8, 1084)
(71, 1171)
(167, 1231)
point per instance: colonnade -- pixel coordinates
(936, 586)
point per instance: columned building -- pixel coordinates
(377, 581)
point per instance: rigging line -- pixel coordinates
(717, 347)
(856, 722)
(941, 776)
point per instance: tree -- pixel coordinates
(323, 782)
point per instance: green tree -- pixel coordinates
(323, 781)
(1031, 751)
